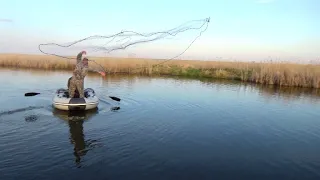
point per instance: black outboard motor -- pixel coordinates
(89, 92)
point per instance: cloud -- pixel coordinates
(6, 20)
(264, 1)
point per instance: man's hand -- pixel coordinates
(102, 73)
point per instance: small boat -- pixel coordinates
(62, 101)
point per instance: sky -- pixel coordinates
(243, 30)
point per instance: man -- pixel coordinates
(77, 80)
(79, 58)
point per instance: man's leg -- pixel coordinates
(80, 88)
(76, 93)
(72, 88)
(69, 82)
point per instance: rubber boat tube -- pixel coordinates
(62, 101)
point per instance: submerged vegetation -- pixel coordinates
(270, 73)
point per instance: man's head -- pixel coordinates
(85, 61)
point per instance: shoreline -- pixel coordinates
(268, 73)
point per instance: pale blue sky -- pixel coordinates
(239, 29)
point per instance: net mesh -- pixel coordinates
(96, 45)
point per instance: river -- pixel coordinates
(166, 128)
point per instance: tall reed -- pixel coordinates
(279, 74)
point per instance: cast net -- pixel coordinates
(115, 44)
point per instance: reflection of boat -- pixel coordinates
(75, 115)
(75, 120)
(62, 101)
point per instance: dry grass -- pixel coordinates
(281, 74)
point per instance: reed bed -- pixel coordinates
(269, 73)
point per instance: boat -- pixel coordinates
(62, 101)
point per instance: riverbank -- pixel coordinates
(280, 74)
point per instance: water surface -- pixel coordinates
(166, 128)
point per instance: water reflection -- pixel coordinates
(75, 120)
(288, 94)
(288, 91)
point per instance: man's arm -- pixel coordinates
(84, 72)
(94, 70)
(87, 69)
(90, 69)
(79, 56)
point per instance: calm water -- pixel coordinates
(165, 128)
